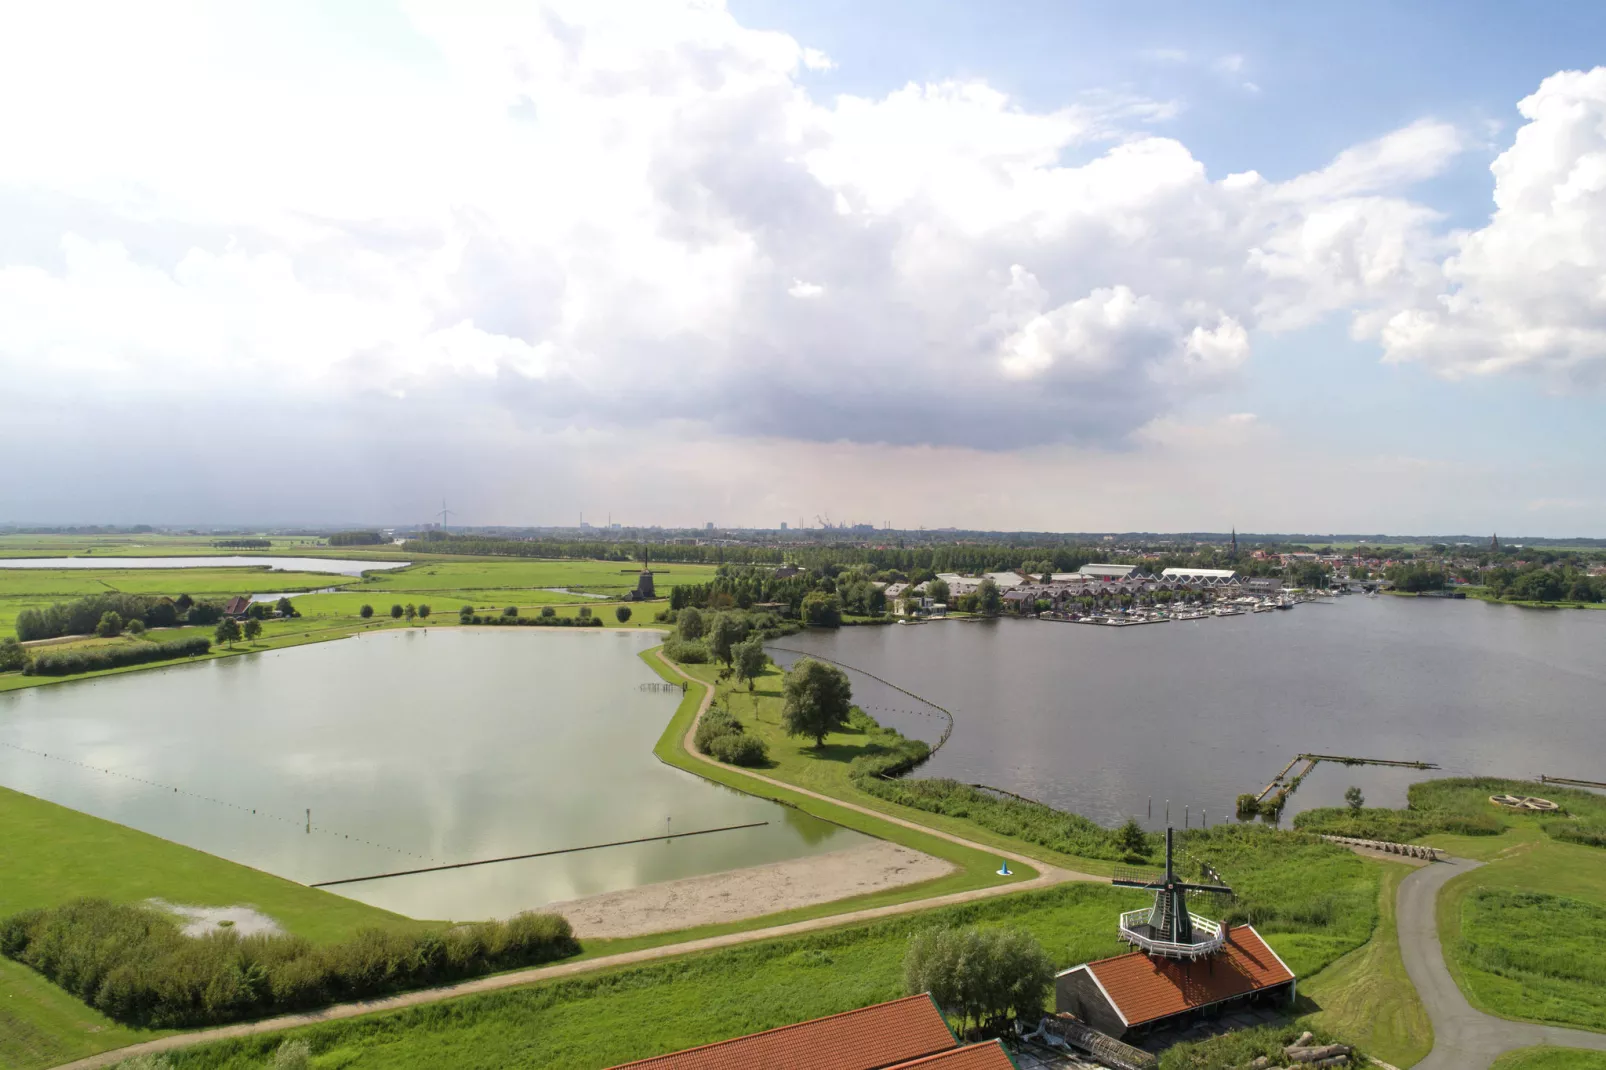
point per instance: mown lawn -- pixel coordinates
(52, 854)
(631, 1013)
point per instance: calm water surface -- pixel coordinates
(1098, 720)
(272, 564)
(411, 748)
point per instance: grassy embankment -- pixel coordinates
(622, 1014)
(1523, 934)
(54, 854)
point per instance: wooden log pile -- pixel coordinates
(1305, 1052)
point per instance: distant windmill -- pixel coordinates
(445, 514)
(1169, 929)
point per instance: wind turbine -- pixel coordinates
(444, 514)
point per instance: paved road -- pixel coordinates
(1463, 1038)
(1046, 876)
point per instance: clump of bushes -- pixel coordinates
(133, 965)
(723, 737)
(13, 656)
(686, 651)
(984, 977)
(94, 659)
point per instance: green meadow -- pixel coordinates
(54, 854)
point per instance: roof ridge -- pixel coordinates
(923, 996)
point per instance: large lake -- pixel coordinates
(1098, 720)
(411, 748)
(273, 564)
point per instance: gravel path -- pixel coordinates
(1463, 1038)
(1047, 876)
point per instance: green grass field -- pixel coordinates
(1366, 996)
(1548, 1058)
(635, 1012)
(1520, 957)
(493, 573)
(54, 854)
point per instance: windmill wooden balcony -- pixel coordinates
(1168, 929)
(1206, 936)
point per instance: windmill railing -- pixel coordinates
(1213, 934)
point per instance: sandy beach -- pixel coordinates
(749, 893)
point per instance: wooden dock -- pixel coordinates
(1570, 782)
(1312, 760)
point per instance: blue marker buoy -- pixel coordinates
(1003, 869)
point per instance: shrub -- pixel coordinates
(510, 611)
(739, 749)
(71, 662)
(396, 611)
(133, 964)
(686, 652)
(423, 610)
(585, 612)
(622, 614)
(135, 627)
(13, 656)
(716, 722)
(548, 612)
(111, 624)
(365, 612)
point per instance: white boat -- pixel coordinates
(1227, 611)
(1260, 607)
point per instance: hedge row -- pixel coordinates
(94, 659)
(133, 965)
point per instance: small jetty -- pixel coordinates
(1282, 785)
(1571, 783)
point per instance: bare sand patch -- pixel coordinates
(749, 893)
(198, 921)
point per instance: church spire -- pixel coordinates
(1235, 540)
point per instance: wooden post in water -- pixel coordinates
(309, 821)
(1185, 817)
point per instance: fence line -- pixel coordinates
(946, 732)
(537, 854)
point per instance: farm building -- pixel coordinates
(905, 1034)
(1143, 992)
(1182, 966)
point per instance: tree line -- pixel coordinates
(85, 615)
(96, 659)
(356, 538)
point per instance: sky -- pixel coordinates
(1014, 266)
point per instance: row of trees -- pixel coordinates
(356, 538)
(87, 615)
(1540, 584)
(398, 611)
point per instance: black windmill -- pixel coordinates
(1168, 929)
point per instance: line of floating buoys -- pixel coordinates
(203, 798)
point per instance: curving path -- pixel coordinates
(1463, 1038)
(1046, 877)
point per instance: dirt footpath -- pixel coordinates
(749, 893)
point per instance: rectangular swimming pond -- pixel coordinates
(411, 749)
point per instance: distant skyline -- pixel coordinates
(1022, 266)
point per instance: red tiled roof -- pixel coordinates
(989, 1056)
(871, 1038)
(1144, 988)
